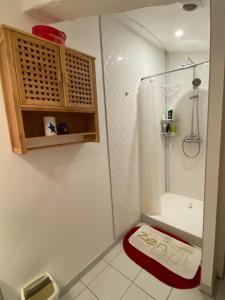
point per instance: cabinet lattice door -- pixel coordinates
(80, 79)
(38, 70)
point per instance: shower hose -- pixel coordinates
(185, 153)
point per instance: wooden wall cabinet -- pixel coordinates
(41, 78)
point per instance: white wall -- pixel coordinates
(186, 176)
(127, 58)
(55, 204)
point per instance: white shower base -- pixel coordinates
(179, 218)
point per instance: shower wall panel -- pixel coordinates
(186, 176)
(127, 57)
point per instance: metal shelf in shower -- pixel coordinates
(164, 124)
(168, 134)
(168, 121)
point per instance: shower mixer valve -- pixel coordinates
(192, 139)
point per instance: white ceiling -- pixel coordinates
(50, 11)
(163, 21)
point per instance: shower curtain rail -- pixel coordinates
(175, 70)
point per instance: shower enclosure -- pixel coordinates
(184, 137)
(153, 177)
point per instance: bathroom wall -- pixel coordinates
(186, 176)
(127, 58)
(55, 204)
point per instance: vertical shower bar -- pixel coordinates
(193, 107)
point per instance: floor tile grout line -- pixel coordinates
(109, 264)
(99, 274)
(169, 294)
(141, 288)
(114, 256)
(135, 283)
(94, 276)
(121, 272)
(153, 298)
(130, 285)
(93, 293)
(146, 291)
(125, 291)
(87, 287)
(137, 275)
(83, 289)
(132, 281)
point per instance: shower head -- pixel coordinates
(196, 82)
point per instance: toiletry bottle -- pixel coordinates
(173, 128)
(170, 114)
(167, 128)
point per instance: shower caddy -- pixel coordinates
(165, 122)
(41, 78)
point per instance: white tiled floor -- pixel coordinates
(116, 277)
(152, 286)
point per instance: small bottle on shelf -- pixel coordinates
(168, 128)
(173, 128)
(170, 114)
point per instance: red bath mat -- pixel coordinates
(155, 268)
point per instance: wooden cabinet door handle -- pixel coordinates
(59, 76)
(66, 77)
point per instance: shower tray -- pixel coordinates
(180, 215)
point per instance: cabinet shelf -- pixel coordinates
(47, 141)
(56, 109)
(81, 126)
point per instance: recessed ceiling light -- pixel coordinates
(179, 33)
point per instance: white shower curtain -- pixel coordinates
(151, 146)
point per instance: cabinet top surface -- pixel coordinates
(3, 26)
